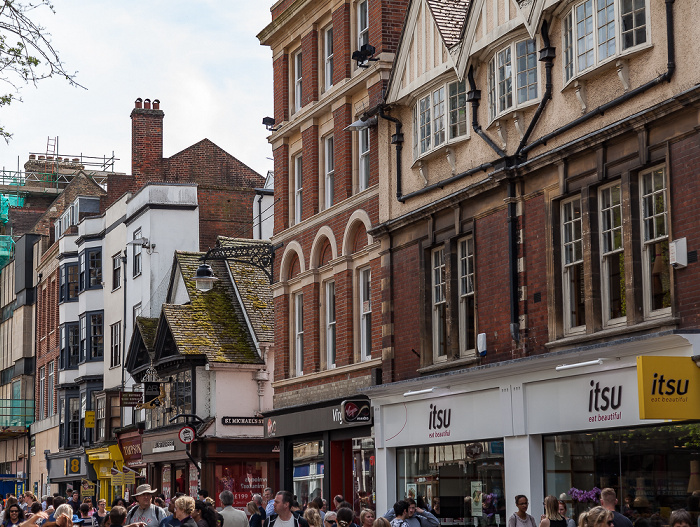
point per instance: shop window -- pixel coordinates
(365, 298)
(308, 470)
(503, 74)
(467, 301)
(330, 323)
(242, 478)
(594, 31)
(439, 306)
(653, 470)
(612, 255)
(443, 474)
(363, 472)
(299, 334)
(655, 261)
(572, 263)
(439, 118)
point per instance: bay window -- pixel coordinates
(500, 77)
(439, 117)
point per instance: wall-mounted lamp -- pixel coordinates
(361, 125)
(364, 55)
(269, 123)
(143, 242)
(596, 362)
(411, 393)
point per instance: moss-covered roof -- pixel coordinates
(147, 327)
(212, 324)
(255, 291)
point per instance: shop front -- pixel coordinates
(69, 470)
(105, 460)
(466, 443)
(167, 462)
(326, 449)
(134, 468)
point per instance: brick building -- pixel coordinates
(539, 235)
(327, 273)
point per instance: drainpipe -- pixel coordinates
(513, 262)
(600, 110)
(547, 54)
(474, 96)
(396, 139)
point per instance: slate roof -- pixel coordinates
(212, 324)
(450, 16)
(255, 291)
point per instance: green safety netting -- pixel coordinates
(6, 250)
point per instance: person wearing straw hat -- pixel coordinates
(145, 512)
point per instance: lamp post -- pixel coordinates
(260, 255)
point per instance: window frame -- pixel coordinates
(298, 334)
(329, 170)
(328, 58)
(496, 83)
(330, 320)
(467, 294)
(115, 344)
(136, 255)
(424, 130)
(70, 361)
(647, 242)
(116, 271)
(100, 417)
(607, 236)
(362, 23)
(66, 285)
(438, 302)
(297, 70)
(91, 336)
(363, 166)
(569, 267)
(90, 261)
(298, 187)
(570, 38)
(41, 407)
(51, 387)
(73, 422)
(364, 296)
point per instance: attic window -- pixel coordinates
(439, 117)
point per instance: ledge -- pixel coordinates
(367, 364)
(447, 365)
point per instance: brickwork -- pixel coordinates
(309, 68)
(341, 43)
(342, 144)
(312, 361)
(344, 385)
(282, 336)
(48, 337)
(386, 21)
(310, 166)
(147, 143)
(535, 278)
(685, 157)
(280, 78)
(281, 157)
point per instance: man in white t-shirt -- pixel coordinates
(284, 517)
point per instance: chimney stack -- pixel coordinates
(147, 141)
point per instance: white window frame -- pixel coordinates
(298, 188)
(467, 296)
(329, 170)
(330, 321)
(438, 283)
(298, 334)
(654, 230)
(137, 256)
(42, 392)
(116, 271)
(611, 245)
(297, 65)
(572, 257)
(364, 281)
(362, 23)
(363, 148)
(505, 78)
(433, 114)
(115, 344)
(591, 40)
(328, 57)
(50, 388)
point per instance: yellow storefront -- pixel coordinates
(103, 460)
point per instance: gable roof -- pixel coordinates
(212, 324)
(450, 16)
(254, 291)
(142, 344)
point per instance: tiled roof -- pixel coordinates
(212, 324)
(450, 16)
(256, 293)
(147, 327)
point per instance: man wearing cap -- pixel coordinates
(145, 511)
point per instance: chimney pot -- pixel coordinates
(41, 158)
(147, 104)
(32, 156)
(76, 159)
(137, 103)
(156, 104)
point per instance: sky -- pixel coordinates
(200, 58)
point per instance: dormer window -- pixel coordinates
(515, 64)
(439, 117)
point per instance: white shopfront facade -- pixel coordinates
(523, 427)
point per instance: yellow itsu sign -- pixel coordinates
(669, 388)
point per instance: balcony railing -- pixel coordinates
(16, 412)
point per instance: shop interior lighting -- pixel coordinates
(596, 362)
(419, 392)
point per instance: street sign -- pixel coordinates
(90, 419)
(130, 398)
(186, 434)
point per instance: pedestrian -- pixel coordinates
(381, 522)
(680, 518)
(101, 513)
(521, 518)
(596, 517)
(608, 500)
(74, 501)
(317, 503)
(145, 512)
(562, 510)
(416, 516)
(184, 507)
(117, 516)
(255, 519)
(551, 517)
(331, 519)
(366, 518)
(171, 521)
(312, 516)
(14, 515)
(400, 514)
(269, 502)
(203, 515)
(232, 517)
(88, 521)
(283, 512)
(337, 501)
